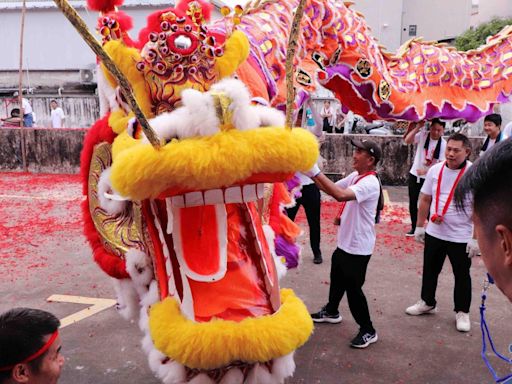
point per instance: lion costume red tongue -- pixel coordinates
(218, 261)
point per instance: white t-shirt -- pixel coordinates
(419, 158)
(457, 226)
(356, 234)
(304, 180)
(507, 131)
(491, 142)
(27, 108)
(57, 116)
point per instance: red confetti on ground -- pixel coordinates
(390, 232)
(34, 210)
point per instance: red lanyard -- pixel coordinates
(344, 203)
(426, 155)
(436, 218)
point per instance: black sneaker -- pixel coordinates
(364, 339)
(323, 316)
(410, 233)
(317, 259)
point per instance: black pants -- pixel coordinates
(310, 200)
(433, 259)
(326, 126)
(414, 194)
(348, 273)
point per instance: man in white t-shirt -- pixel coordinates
(361, 197)
(26, 111)
(57, 114)
(310, 200)
(492, 127)
(328, 116)
(430, 151)
(449, 232)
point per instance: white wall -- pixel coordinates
(51, 42)
(490, 9)
(436, 19)
(385, 19)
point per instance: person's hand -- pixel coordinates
(421, 171)
(314, 171)
(419, 234)
(472, 248)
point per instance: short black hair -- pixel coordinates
(15, 112)
(22, 331)
(489, 182)
(53, 101)
(460, 137)
(438, 121)
(494, 118)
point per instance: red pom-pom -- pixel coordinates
(206, 7)
(103, 5)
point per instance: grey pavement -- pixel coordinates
(43, 252)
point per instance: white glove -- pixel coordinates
(315, 171)
(419, 234)
(472, 248)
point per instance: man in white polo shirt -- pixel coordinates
(430, 151)
(361, 197)
(449, 232)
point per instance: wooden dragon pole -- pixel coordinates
(290, 55)
(125, 86)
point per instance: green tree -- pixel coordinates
(473, 38)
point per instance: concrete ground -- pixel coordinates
(43, 252)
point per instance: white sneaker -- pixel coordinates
(463, 323)
(420, 308)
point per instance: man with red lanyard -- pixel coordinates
(360, 194)
(430, 151)
(30, 347)
(449, 232)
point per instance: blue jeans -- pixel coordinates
(28, 120)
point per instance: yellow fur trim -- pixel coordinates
(121, 143)
(235, 52)
(118, 120)
(221, 160)
(219, 342)
(126, 59)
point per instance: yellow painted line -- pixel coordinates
(27, 197)
(386, 196)
(97, 305)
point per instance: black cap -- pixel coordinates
(369, 146)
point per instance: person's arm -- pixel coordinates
(423, 209)
(411, 133)
(326, 185)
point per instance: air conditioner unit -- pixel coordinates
(87, 76)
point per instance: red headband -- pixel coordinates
(35, 355)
